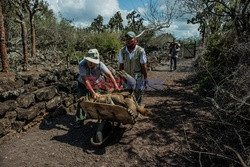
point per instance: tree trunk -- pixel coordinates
(3, 51)
(204, 37)
(33, 37)
(25, 46)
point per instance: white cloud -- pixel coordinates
(181, 29)
(53, 5)
(83, 12)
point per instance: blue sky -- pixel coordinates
(83, 12)
(130, 4)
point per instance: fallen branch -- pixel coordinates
(248, 119)
(185, 157)
(237, 154)
(241, 142)
(200, 160)
(215, 154)
(213, 121)
(236, 98)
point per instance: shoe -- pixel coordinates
(77, 124)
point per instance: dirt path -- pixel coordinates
(154, 141)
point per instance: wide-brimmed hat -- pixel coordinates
(131, 34)
(93, 56)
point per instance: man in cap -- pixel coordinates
(90, 69)
(132, 58)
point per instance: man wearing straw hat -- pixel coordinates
(90, 70)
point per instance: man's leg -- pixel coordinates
(139, 95)
(80, 114)
(175, 63)
(139, 91)
(171, 63)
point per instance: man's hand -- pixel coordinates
(118, 88)
(95, 95)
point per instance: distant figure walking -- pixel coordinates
(174, 50)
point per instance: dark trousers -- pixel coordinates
(138, 88)
(81, 91)
(173, 63)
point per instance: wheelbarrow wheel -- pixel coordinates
(102, 134)
(98, 137)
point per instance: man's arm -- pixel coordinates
(89, 87)
(145, 74)
(110, 75)
(120, 61)
(144, 70)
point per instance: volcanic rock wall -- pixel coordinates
(26, 99)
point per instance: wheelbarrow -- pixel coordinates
(107, 115)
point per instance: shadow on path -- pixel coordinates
(175, 120)
(80, 137)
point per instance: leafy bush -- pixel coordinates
(106, 43)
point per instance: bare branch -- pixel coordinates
(160, 14)
(237, 98)
(237, 154)
(18, 20)
(216, 155)
(241, 142)
(200, 160)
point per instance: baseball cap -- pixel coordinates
(131, 34)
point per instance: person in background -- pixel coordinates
(90, 70)
(132, 58)
(174, 50)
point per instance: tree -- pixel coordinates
(20, 9)
(111, 24)
(196, 13)
(47, 28)
(3, 51)
(97, 24)
(135, 22)
(12, 30)
(214, 16)
(160, 14)
(33, 6)
(236, 11)
(118, 22)
(115, 22)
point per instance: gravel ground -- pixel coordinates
(153, 141)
